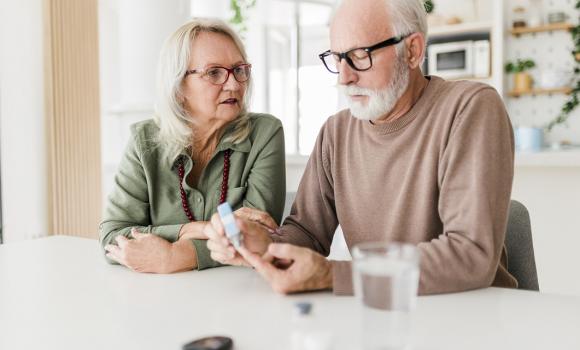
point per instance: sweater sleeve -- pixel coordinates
(475, 180)
(312, 220)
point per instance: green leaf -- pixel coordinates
(429, 6)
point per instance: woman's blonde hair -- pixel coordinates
(174, 122)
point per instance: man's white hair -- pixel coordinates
(175, 124)
(408, 16)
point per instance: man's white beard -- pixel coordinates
(380, 102)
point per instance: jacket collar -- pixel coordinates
(243, 146)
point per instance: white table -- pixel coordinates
(59, 293)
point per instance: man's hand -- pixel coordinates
(256, 239)
(145, 253)
(289, 268)
(256, 215)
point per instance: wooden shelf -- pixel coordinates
(544, 28)
(562, 90)
(458, 29)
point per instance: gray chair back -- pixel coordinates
(290, 196)
(520, 248)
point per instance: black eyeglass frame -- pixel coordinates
(229, 70)
(344, 55)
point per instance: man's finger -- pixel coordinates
(219, 257)
(268, 257)
(247, 227)
(215, 247)
(215, 229)
(285, 251)
(256, 215)
(264, 268)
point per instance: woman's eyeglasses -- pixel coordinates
(219, 75)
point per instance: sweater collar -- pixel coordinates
(400, 123)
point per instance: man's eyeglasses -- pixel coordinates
(219, 75)
(358, 59)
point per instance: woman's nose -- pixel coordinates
(231, 83)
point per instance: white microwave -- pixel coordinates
(460, 59)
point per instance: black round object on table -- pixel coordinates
(210, 343)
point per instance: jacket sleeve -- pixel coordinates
(267, 180)
(128, 203)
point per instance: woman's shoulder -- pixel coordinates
(263, 125)
(145, 128)
(144, 133)
(264, 120)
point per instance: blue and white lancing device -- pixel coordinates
(232, 231)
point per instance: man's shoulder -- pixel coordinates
(339, 120)
(461, 89)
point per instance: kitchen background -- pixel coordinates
(284, 38)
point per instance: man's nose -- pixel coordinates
(346, 74)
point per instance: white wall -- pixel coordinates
(23, 156)
(552, 196)
(131, 35)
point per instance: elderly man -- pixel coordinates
(415, 159)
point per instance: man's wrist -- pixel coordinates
(328, 277)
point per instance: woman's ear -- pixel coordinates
(181, 98)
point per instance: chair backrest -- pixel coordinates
(290, 196)
(520, 248)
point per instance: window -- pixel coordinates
(299, 90)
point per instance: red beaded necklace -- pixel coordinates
(224, 188)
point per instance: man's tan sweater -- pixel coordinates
(439, 177)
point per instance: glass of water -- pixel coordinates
(386, 280)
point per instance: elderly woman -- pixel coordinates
(202, 148)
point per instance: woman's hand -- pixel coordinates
(151, 253)
(255, 235)
(193, 230)
(256, 215)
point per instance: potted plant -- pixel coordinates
(239, 10)
(574, 99)
(522, 79)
